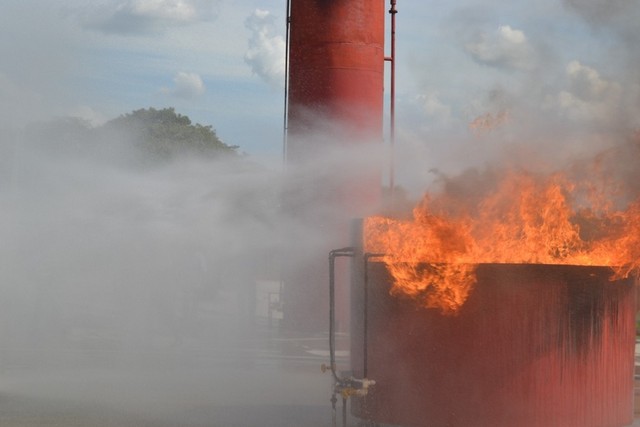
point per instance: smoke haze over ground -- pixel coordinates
(133, 287)
(95, 231)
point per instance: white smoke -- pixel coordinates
(124, 285)
(589, 98)
(19, 102)
(548, 84)
(618, 15)
(434, 108)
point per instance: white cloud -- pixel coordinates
(147, 16)
(176, 10)
(187, 86)
(506, 47)
(266, 53)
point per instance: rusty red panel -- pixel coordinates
(534, 346)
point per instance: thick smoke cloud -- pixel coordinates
(617, 20)
(619, 15)
(588, 97)
(21, 101)
(101, 237)
(540, 99)
(135, 285)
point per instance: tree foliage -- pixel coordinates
(154, 134)
(165, 134)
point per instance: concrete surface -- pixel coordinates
(264, 380)
(274, 382)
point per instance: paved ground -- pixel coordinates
(266, 381)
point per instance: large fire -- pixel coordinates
(526, 219)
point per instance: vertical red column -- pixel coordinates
(335, 110)
(336, 65)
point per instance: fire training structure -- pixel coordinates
(535, 345)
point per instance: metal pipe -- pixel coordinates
(347, 386)
(392, 103)
(365, 303)
(285, 124)
(343, 252)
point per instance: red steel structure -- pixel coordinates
(334, 126)
(336, 68)
(534, 346)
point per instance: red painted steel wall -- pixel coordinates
(335, 111)
(534, 346)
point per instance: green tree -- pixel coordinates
(165, 134)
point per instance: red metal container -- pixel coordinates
(533, 346)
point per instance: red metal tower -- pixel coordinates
(336, 67)
(334, 131)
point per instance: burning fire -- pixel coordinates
(433, 257)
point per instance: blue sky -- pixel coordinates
(535, 72)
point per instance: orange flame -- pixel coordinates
(432, 257)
